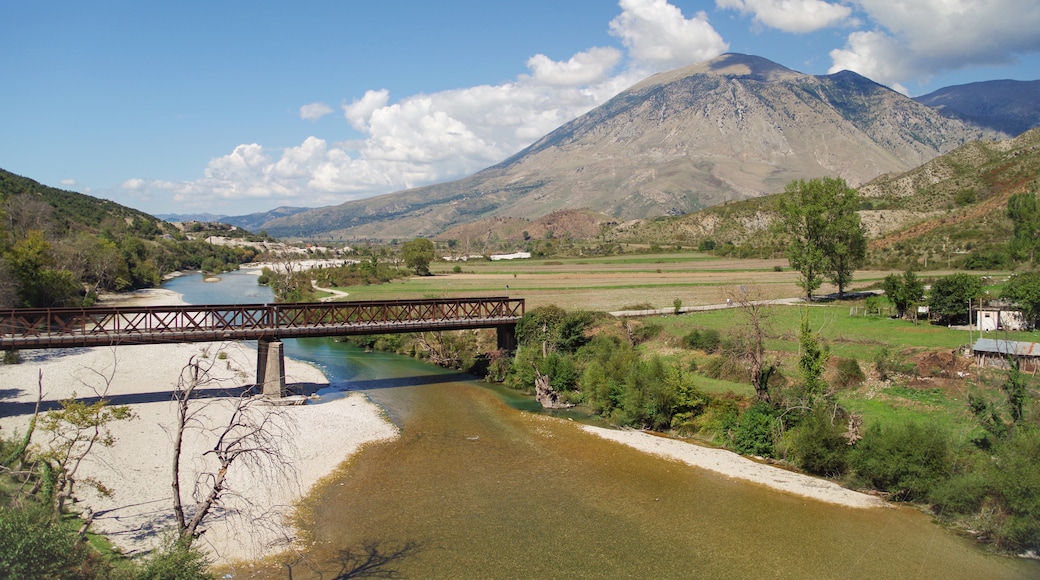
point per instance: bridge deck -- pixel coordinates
(103, 326)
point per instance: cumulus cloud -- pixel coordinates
(68, 182)
(133, 184)
(587, 67)
(420, 139)
(657, 33)
(314, 111)
(358, 111)
(914, 39)
(797, 16)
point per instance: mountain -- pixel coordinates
(189, 217)
(253, 222)
(1012, 107)
(948, 212)
(732, 128)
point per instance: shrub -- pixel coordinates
(646, 332)
(727, 368)
(175, 560)
(706, 340)
(754, 432)
(906, 459)
(818, 444)
(849, 373)
(35, 544)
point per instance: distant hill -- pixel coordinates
(253, 222)
(75, 210)
(1012, 107)
(189, 217)
(733, 128)
(937, 215)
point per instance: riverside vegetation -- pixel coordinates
(880, 403)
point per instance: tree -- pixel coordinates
(753, 344)
(904, 291)
(1023, 209)
(39, 283)
(827, 237)
(418, 254)
(249, 439)
(813, 360)
(1024, 290)
(951, 294)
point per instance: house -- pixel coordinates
(996, 353)
(994, 318)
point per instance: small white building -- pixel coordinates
(987, 319)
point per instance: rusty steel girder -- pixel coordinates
(22, 328)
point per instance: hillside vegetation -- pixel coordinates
(61, 248)
(950, 212)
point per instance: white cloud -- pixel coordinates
(657, 33)
(358, 112)
(427, 138)
(797, 16)
(68, 182)
(133, 184)
(915, 39)
(587, 67)
(314, 111)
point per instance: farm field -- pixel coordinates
(606, 283)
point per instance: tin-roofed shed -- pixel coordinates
(996, 353)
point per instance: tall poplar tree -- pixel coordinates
(827, 239)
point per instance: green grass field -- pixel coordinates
(696, 279)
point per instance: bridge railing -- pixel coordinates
(64, 327)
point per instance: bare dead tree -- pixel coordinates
(755, 312)
(251, 439)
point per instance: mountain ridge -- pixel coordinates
(736, 127)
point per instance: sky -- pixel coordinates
(235, 107)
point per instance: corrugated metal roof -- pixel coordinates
(1007, 347)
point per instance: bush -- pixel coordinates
(849, 373)
(645, 332)
(908, 459)
(818, 444)
(754, 433)
(706, 340)
(35, 544)
(1016, 473)
(174, 560)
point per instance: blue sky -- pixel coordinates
(236, 107)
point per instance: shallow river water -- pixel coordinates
(475, 488)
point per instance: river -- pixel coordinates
(477, 488)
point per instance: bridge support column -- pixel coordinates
(507, 337)
(270, 367)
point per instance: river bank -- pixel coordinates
(137, 467)
(318, 439)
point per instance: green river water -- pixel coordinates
(477, 488)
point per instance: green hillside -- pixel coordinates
(61, 248)
(949, 212)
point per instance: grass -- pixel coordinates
(657, 280)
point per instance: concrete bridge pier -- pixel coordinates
(270, 367)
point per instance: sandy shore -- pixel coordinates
(736, 466)
(314, 438)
